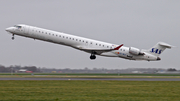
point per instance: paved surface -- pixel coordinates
(120, 79)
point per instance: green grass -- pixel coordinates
(90, 74)
(90, 90)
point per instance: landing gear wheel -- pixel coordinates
(92, 57)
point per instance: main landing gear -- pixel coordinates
(93, 56)
(12, 36)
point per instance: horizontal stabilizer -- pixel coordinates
(165, 45)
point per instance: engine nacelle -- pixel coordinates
(135, 51)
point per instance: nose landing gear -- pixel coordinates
(12, 36)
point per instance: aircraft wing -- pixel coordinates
(98, 50)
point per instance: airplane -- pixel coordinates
(91, 46)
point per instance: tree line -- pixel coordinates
(16, 67)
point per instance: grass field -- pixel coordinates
(90, 90)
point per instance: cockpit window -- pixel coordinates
(19, 27)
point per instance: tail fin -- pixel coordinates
(158, 48)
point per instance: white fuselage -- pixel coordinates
(84, 44)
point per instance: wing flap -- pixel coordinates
(99, 49)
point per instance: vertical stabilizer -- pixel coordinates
(158, 48)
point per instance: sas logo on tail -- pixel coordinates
(154, 50)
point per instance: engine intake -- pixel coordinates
(135, 51)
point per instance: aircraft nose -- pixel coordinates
(10, 29)
(158, 58)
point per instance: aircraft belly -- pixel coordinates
(109, 54)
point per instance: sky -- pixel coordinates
(134, 23)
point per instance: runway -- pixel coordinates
(117, 79)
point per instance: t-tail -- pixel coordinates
(159, 48)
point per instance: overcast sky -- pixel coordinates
(137, 23)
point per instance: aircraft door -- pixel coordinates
(26, 30)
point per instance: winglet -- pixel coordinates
(117, 48)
